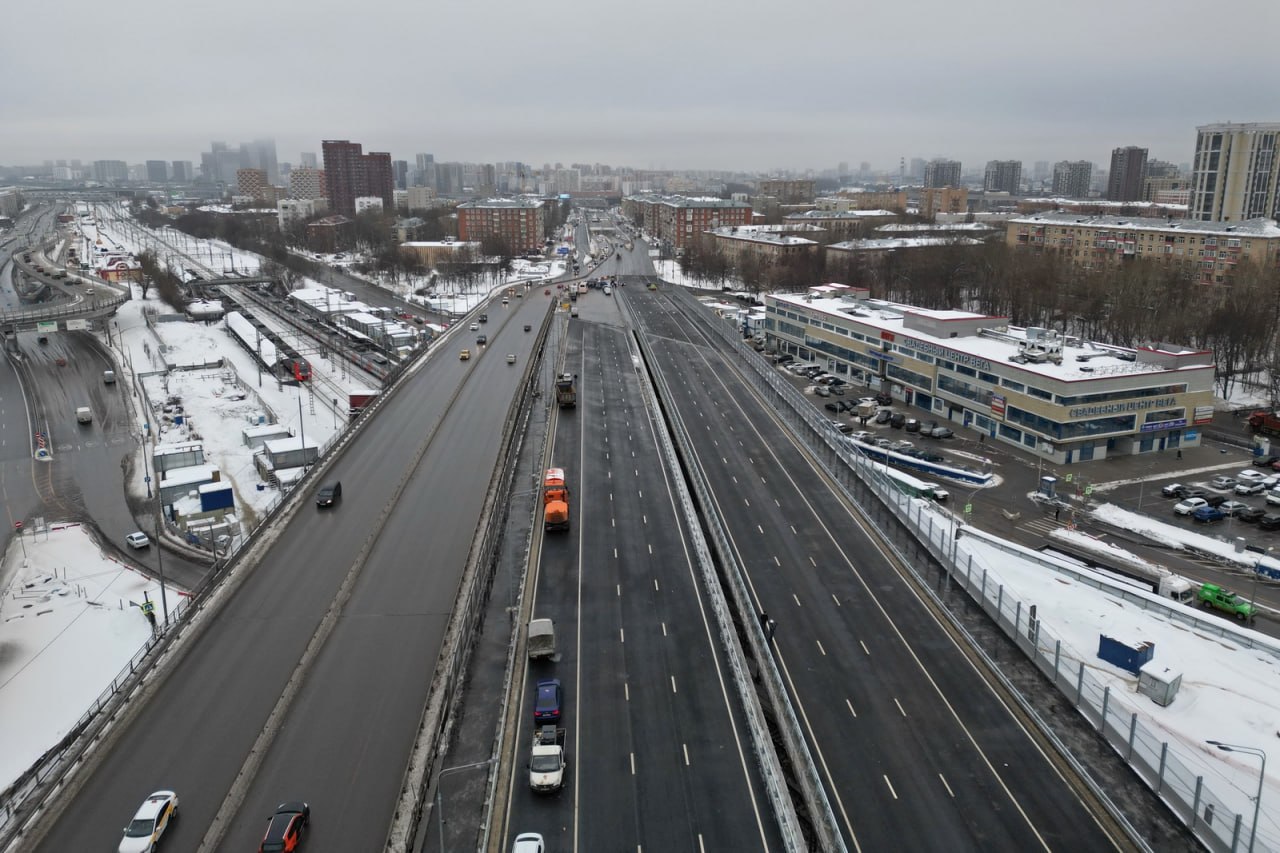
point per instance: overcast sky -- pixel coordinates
(660, 84)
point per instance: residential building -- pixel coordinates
(1101, 207)
(291, 210)
(400, 173)
(307, 182)
(434, 253)
(331, 234)
(1206, 252)
(765, 244)
(379, 178)
(842, 224)
(947, 230)
(1128, 171)
(110, 171)
(895, 200)
(422, 198)
(1063, 399)
(157, 171)
(942, 173)
(789, 191)
(252, 183)
(1071, 178)
(679, 220)
(518, 221)
(307, 160)
(407, 229)
(183, 172)
(367, 203)
(872, 253)
(935, 201)
(1236, 173)
(1003, 176)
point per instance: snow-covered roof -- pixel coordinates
(189, 474)
(853, 215)
(927, 227)
(982, 340)
(886, 243)
(771, 238)
(1245, 228)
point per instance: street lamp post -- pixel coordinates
(440, 798)
(1262, 775)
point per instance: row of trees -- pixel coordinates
(1138, 302)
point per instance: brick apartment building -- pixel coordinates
(1207, 252)
(519, 221)
(765, 243)
(680, 220)
(350, 174)
(789, 192)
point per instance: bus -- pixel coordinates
(909, 485)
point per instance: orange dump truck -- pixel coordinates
(555, 500)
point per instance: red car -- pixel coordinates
(285, 828)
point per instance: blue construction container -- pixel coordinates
(1127, 656)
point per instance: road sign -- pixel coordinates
(148, 606)
(17, 525)
(968, 509)
(1068, 478)
(1088, 490)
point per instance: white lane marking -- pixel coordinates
(820, 648)
(866, 650)
(890, 786)
(901, 710)
(948, 787)
(850, 704)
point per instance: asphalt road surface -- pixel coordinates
(916, 752)
(659, 758)
(341, 743)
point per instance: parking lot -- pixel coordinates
(1247, 496)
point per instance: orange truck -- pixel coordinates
(555, 500)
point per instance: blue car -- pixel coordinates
(546, 703)
(1207, 514)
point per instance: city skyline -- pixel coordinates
(735, 92)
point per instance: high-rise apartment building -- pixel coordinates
(1128, 171)
(380, 178)
(400, 172)
(307, 182)
(183, 172)
(261, 154)
(942, 173)
(252, 183)
(789, 191)
(1236, 172)
(350, 174)
(110, 171)
(1002, 176)
(157, 171)
(1071, 178)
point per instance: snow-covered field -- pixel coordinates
(69, 623)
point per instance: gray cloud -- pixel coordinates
(748, 85)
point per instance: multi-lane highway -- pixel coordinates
(309, 681)
(659, 755)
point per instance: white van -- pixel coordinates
(108, 377)
(84, 415)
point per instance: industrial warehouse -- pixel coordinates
(1066, 399)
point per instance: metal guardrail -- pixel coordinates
(1156, 761)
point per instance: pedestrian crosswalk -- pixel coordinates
(1042, 526)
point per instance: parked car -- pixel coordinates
(1173, 490)
(1251, 514)
(1215, 500)
(1265, 461)
(940, 432)
(897, 419)
(1233, 508)
(1273, 497)
(883, 416)
(833, 407)
(1189, 505)
(1222, 481)
(927, 456)
(911, 425)
(285, 828)
(1250, 488)
(1208, 514)
(1270, 521)
(884, 398)
(901, 446)
(1248, 475)
(863, 436)
(843, 427)
(822, 390)
(149, 823)
(883, 443)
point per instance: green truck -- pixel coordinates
(1214, 596)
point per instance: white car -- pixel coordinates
(1189, 506)
(863, 436)
(511, 358)
(475, 327)
(138, 539)
(528, 842)
(1273, 497)
(1250, 476)
(144, 831)
(1250, 488)
(1223, 482)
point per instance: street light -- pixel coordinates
(440, 799)
(1262, 774)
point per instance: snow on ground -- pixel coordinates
(67, 628)
(669, 271)
(1229, 692)
(1174, 536)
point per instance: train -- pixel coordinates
(270, 350)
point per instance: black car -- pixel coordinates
(1214, 500)
(884, 398)
(1270, 521)
(833, 407)
(883, 416)
(481, 340)
(329, 494)
(484, 318)
(527, 327)
(285, 828)
(1265, 461)
(1251, 514)
(931, 457)
(897, 420)
(911, 425)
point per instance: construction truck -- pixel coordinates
(566, 394)
(1266, 422)
(555, 500)
(546, 764)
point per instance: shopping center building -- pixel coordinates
(1063, 398)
